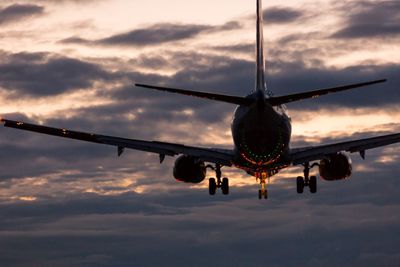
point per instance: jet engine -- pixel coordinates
(189, 169)
(335, 167)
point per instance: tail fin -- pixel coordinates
(260, 65)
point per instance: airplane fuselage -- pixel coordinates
(261, 134)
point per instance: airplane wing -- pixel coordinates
(307, 154)
(220, 156)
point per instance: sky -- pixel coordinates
(71, 64)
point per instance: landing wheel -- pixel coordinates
(225, 186)
(310, 181)
(212, 186)
(262, 194)
(215, 183)
(313, 184)
(300, 185)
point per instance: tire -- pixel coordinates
(313, 184)
(225, 186)
(212, 186)
(300, 185)
(259, 194)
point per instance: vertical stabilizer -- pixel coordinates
(260, 67)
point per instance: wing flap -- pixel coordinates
(220, 156)
(306, 154)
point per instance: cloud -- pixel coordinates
(280, 15)
(155, 34)
(68, 226)
(89, 209)
(289, 72)
(17, 12)
(369, 19)
(70, 1)
(238, 48)
(145, 114)
(304, 78)
(46, 74)
(85, 229)
(75, 40)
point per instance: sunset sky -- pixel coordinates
(72, 64)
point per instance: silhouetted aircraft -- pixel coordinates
(261, 131)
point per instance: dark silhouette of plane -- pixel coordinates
(261, 131)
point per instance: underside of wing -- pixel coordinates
(220, 156)
(307, 154)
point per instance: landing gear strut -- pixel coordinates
(263, 192)
(307, 180)
(219, 183)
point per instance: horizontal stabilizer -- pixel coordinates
(276, 101)
(237, 100)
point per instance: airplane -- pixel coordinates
(261, 131)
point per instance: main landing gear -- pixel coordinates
(219, 183)
(307, 180)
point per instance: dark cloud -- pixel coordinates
(158, 111)
(239, 48)
(41, 74)
(302, 78)
(75, 40)
(229, 26)
(18, 12)
(307, 37)
(45, 74)
(67, 226)
(182, 226)
(223, 74)
(155, 35)
(369, 19)
(281, 15)
(348, 223)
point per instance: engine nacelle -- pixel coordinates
(336, 167)
(189, 169)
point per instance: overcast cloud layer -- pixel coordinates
(69, 203)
